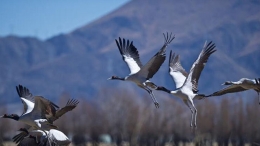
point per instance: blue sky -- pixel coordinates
(45, 18)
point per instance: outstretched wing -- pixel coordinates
(26, 97)
(129, 54)
(57, 137)
(71, 104)
(153, 65)
(43, 107)
(198, 66)
(19, 137)
(229, 89)
(24, 92)
(24, 132)
(176, 71)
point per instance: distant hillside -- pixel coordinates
(80, 62)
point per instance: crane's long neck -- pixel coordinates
(163, 89)
(13, 116)
(117, 78)
(228, 83)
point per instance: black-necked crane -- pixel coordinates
(24, 92)
(39, 111)
(187, 84)
(71, 104)
(35, 116)
(140, 74)
(239, 86)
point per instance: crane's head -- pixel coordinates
(12, 116)
(115, 78)
(227, 83)
(163, 89)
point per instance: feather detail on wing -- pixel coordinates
(19, 137)
(130, 55)
(176, 71)
(71, 104)
(198, 66)
(43, 107)
(26, 98)
(23, 92)
(154, 64)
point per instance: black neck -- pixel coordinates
(163, 89)
(117, 78)
(14, 117)
(227, 83)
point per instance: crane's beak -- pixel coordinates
(109, 78)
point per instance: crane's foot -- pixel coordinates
(156, 104)
(193, 125)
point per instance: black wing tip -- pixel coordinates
(18, 91)
(19, 137)
(133, 48)
(72, 102)
(168, 38)
(22, 91)
(209, 48)
(119, 39)
(172, 54)
(123, 45)
(118, 43)
(174, 58)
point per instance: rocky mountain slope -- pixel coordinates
(80, 62)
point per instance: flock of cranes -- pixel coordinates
(39, 113)
(186, 83)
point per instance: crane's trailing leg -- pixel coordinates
(186, 102)
(152, 96)
(195, 114)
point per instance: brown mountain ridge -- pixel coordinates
(81, 61)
